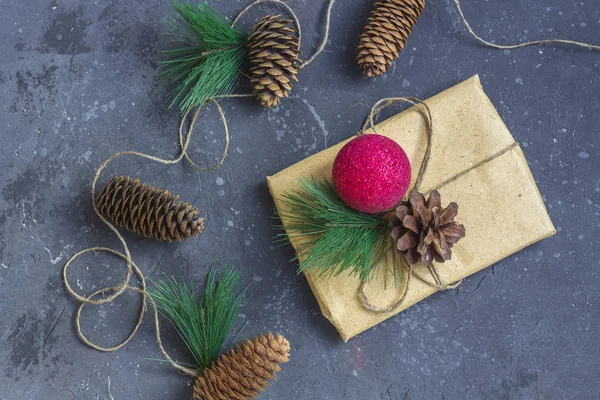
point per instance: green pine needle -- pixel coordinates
(210, 61)
(203, 325)
(334, 237)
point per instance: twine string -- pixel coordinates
(184, 140)
(519, 45)
(184, 145)
(132, 269)
(323, 43)
(145, 296)
(425, 112)
(383, 103)
(479, 164)
(364, 300)
(325, 36)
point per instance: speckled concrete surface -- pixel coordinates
(79, 82)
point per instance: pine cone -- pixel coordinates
(148, 211)
(243, 373)
(386, 33)
(273, 52)
(424, 231)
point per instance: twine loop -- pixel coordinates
(425, 112)
(519, 45)
(184, 140)
(132, 269)
(323, 43)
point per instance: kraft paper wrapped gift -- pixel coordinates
(499, 202)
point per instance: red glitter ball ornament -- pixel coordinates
(371, 173)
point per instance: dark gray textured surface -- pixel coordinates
(78, 83)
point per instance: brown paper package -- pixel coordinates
(499, 202)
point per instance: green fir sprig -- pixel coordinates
(205, 323)
(209, 62)
(332, 237)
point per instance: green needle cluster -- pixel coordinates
(202, 324)
(332, 237)
(209, 62)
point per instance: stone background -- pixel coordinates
(78, 82)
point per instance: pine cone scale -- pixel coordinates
(407, 241)
(454, 233)
(413, 256)
(448, 215)
(411, 222)
(441, 246)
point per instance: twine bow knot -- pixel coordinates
(425, 112)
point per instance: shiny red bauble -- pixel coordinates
(371, 173)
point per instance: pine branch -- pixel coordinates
(332, 237)
(210, 61)
(203, 325)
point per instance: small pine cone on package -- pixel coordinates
(424, 231)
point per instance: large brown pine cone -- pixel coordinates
(148, 211)
(424, 231)
(273, 50)
(386, 33)
(244, 373)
